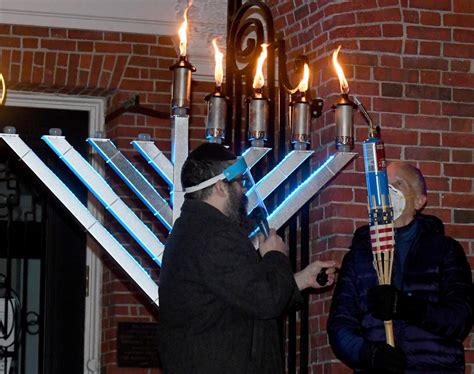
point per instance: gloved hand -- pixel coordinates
(387, 302)
(383, 358)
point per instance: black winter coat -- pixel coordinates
(219, 299)
(436, 271)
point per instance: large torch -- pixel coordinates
(344, 109)
(216, 102)
(301, 114)
(181, 98)
(258, 105)
(382, 233)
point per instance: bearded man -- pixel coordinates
(429, 301)
(219, 297)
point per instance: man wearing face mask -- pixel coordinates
(429, 300)
(219, 297)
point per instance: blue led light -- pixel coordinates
(270, 174)
(301, 186)
(111, 209)
(76, 203)
(152, 162)
(142, 197)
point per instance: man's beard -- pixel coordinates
(237, 209)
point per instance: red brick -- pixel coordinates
(459, 140)
(458, 79)
(430, 18)
(463, 66)
(30, 30)
(395, 105)
(26, 66)
(379, 15)
(430, 108)
(58, 44)
(430, 48)
(425, 63)
(437, 183)
(460, 231)
(428, 92)
(392, 30)
(463, 6)
(462, 124)
(30, 43)
(396, 75)
(103, 47)
(411, 16)
(393, 61)
(5, 29)
(459, 110)
(411, 47)
(430, 168)
(461, 156)
(6, 41)
(458, 50)
(458, 20)
(430, 123)
(428, 4)
(85, 34)
(459, 170)
(431, 33)
(461, 185)
(381, 45)
(426, 153)
(430, 139)
(430, 77)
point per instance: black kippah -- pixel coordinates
(212, 152)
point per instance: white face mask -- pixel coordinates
(398, 201)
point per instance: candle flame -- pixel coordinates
(4, 89)
(218, 71)
(340, 73)
(183, 39)
(303, 86)
(259, 80)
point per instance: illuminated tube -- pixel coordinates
(84, 216)
(277, 175)
(106, 195)
(310, 187)
(253, 155)
(134, 179)
(155, 158)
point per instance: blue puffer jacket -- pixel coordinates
(436, 271)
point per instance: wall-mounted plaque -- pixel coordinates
(137, 345)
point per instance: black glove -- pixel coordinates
(383, 358)
(387, 302)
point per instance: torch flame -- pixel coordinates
(4, 89)
(218, 71)
(259, 80)
(340, 73)
(183, 40)
(303, 85)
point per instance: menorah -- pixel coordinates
(260, 130)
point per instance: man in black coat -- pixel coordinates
(219, 297)
(429, 301)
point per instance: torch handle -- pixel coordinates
(389, 333)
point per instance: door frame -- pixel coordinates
(95, 106)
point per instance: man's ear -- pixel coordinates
(221, 188)
(420, 202)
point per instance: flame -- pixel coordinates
(218, 71)
(259, 79)
(303, 85)
(4, 89)
(340, 73)
(183, 40)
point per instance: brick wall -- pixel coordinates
(411, 62)
(116, 66)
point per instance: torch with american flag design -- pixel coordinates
(382, 232)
